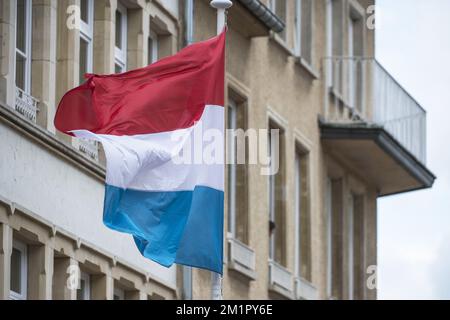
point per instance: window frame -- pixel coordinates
(272, 197)
(120, 54)
(189, 16)
(303, 263)
(153, 38)
(275, 121)
(87, 35)
(273, 7)
(23, 249)
(297, 205)
(28, 44)
(298, 29)
(350, 245)
(86, 277)
(359, 246)
(232, 110)
(329, 42)
(118, 292)
(355, 49)
(329, 212)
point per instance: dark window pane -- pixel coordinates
(84, 10)
(150, 51)
(21, 25)
(117, 68)
(231, 167)
(84, 52)
(16, 266)
(20, 71)
(118, 29)
(81, 290)
(280, 11)
(306, 30)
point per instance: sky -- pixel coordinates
(413, 44)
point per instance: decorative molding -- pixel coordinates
(50, 142)
(273, 115)
(80, 243)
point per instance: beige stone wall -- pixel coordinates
(54, 70)
(52, 250)
(277, 86)
(273, 84)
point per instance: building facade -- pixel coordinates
(348, 134)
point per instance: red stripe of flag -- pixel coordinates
(167, 95)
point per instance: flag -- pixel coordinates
(173, 209)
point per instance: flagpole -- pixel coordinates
(221, 6)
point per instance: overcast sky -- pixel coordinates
(413, 44)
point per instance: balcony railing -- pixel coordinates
(280, 276)
(242, 258)
(26, 105)
(88, 148)
(362, 91)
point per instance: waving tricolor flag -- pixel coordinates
(143, 118)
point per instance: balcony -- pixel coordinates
(304, 290)
(372, 123)
(26, 105)
(241, 259)
(280, 280)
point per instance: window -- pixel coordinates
(359, 270)
(152, 47)
(351, 241)
(84, 289)
(334, 14)
(355, 32)
(303, 216)
(189, 17)
(350, 244)
(231, 117)
(355, 47)
(355, 246)
(19, 271)
(120, 52)
(86, 38)
(335, 237)
(304, 14)
(279, 7)
(351, 65)
(336, 26)
(237, 172)
(119, 294)
(277, 232)
(329, 46)
(329, 232)
(23, 45)
(85, 10)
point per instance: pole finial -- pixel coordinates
(221, 4)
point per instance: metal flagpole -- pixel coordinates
(221, 6)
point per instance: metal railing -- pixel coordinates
(360, 90)
(26, 105)
(279, 275)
